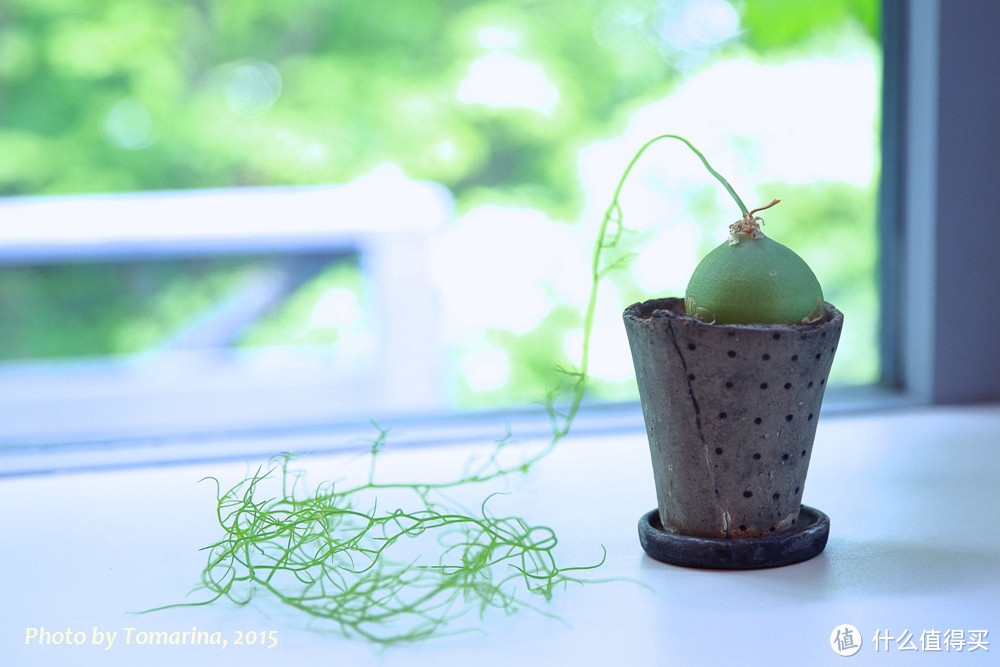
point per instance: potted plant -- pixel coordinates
(731, 379)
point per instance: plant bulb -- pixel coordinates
(753, 279)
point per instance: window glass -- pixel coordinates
(423, 181)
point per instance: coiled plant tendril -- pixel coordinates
(408, 573)
(330, 553)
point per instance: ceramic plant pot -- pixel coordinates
(730, 413)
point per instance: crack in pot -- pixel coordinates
(701, 434)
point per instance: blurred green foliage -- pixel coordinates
(135, 95)
(783, 24)
(125, 95)
(324, 311)
(110, 308)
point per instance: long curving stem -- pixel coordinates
(613, 214)
(719, 177)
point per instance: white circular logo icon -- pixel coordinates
(845, 640)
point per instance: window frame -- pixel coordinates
(938, 199)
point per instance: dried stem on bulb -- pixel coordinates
(748, 226)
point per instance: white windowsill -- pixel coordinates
(225, 415)
(912, 496)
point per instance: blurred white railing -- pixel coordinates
(387, 220)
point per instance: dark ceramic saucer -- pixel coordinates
(802, 542)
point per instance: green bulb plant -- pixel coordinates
(753, 279)
(731, 378)
(340, 557)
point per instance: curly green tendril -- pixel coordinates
(409, 572)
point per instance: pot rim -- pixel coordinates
(673, 308)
